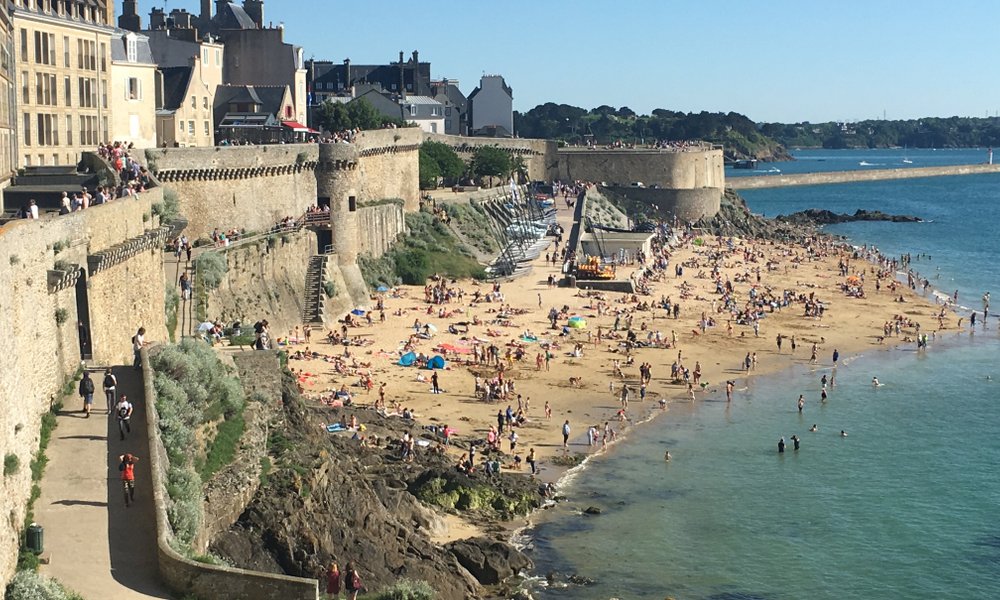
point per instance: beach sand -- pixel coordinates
(849, 325)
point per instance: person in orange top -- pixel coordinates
(127, 468)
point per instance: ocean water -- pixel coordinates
(819, 160)
(906, 506)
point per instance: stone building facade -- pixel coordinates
(62, 66)
(8, 107)
(133, 90)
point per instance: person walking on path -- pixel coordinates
(352, 581)
(127, 468)
(123, 410)
(333, 581)
(110, 385)
(434, 384)
(87, 392)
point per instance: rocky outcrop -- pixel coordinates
(815, 216)
(489, 561)
(327, 499)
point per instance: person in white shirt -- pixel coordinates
(33, 208)
(123, 410)
(138, 341)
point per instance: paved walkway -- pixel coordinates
(98, 547)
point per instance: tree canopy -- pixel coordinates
(490, 161)
(439, 160)
(337, 116)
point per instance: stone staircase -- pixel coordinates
(312, 313)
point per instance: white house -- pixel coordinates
(491, 108)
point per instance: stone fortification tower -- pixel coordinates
(337, 182)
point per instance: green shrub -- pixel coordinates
(329, 289)
(14, 259)
(193, 387)
(406, 589)
(210, 268)
(171, 300)
(59, 246)
(62, 315)
(11, 463)
(29, 585)
(300, 158)
(246, 339)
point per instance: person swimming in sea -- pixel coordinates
(781, 445)
(843, 433)
(666, 456)
(814, 428)
(875, 382)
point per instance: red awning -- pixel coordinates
(296, 126)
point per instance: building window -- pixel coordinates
(24, 45)
(27, 129)
(38, 88)
(352, 203)
(67, 84)
(413, 110)
(218, 58)
(25, 92)
(207, 130)
(104, 93)
(104, 56)
(131, 49)
(288, 112)
(133, 89)
(190, 127)
(204, 55)
(204, 102)
(69, 130)
(66, 51)
(181, 126)
(194, 101)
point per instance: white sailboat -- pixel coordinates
(906, 161)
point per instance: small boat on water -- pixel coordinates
(865, 163)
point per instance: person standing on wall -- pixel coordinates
(110, 385)
(87, 392)
(138, 342)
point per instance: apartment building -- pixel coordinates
(8, 110)
(62, 69)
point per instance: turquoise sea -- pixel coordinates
(907, 506)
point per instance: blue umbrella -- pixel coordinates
(381, 288)
(358, 312)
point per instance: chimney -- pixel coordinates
(130, 19)
(347, 73)
(255, 10)
(206, 13)
(416, 57)
(402, 78)
(157, 20)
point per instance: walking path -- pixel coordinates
(98, 547)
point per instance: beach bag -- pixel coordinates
(355, 581)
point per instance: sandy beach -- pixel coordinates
(579, 389)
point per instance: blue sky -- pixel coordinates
(773, 60)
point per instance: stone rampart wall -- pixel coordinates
(186, 576)
(39, 352)
(539, 155)
(379, 227)
(232, 488)
(758, 182)
(692, 169)
(686, 205)
(248, 187)
(266, 280)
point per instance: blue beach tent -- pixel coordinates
(407, 359)
(436, 363)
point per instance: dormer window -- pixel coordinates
(132, 48)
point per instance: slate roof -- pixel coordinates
(175, 86)
(232, 16)
(144, 55)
